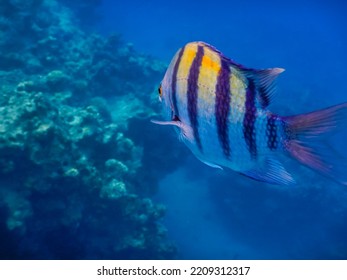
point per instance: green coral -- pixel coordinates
(113, 190)
(66, 143)
(57, 80)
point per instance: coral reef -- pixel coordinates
(75, 169)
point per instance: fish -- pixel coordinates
(219, 109)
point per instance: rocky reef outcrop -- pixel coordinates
(79, 158)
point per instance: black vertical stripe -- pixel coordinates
(222, 106)
(174, 83)
(192, 94)
(271, 132)
(249, 120)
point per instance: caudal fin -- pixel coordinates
(301, 131)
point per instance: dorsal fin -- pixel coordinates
(264, 83)
(263, 79)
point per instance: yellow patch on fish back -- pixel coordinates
(183, 71)
(211, 60)
(186, 61)
(210, 67)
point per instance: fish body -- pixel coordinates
(220, 111)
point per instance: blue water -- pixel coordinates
(307, 38)
(210, 213)
(218, 215)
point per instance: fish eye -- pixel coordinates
(160, 91)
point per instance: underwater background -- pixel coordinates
(84, 174)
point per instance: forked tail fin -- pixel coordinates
(300, 143)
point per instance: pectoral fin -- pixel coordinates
(175, 123)
(186, 130)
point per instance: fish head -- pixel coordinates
(167, 92)
(164, 94)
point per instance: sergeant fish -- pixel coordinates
(219, 109)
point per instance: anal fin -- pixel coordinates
(212, 164)
(272, 172)
(208, 163)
